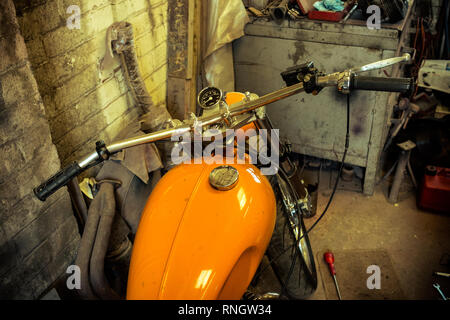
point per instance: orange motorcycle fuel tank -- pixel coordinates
(199, 241)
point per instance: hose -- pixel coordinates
(94, 244)
(154, 117)
(97, 276)
(85, 249)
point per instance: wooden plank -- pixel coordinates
(190, 39)
(178, 38)
(322, 37)
(183, 52)
(328, 26)
(176, 97)
(411, 9)
(195, 52)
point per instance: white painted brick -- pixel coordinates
(71, 91)
(124, 9)
(62, 67)
(153, 81)
(141, 24)
(80, 108)
(88, 105)
(150, 40)
(115, 109)
(153, 60)
(63, 39)
(85, 5)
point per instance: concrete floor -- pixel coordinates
(415, 240)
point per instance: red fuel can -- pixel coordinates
(435, 190)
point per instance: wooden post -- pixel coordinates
(184, 56)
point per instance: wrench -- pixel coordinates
(438, 288)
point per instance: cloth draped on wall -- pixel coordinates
(221, 30)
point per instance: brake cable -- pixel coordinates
(347, 142)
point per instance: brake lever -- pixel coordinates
(382, 64)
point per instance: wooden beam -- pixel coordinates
(184, 56)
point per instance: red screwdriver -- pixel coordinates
(329, 259)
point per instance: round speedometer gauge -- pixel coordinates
(209, 97)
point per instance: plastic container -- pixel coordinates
(334, 16)
(435, 190)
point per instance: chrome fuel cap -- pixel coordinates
(224, 178)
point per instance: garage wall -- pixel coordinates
(82, 103)
(54, 104)
(37, 240)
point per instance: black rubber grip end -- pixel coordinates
(403, 85)
(57, 181)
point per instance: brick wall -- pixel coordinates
(54, 104)
(37, 240)
(83, 104)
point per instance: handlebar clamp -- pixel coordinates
(102, 151)
(310, 84)
(305, 73)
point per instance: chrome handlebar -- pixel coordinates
(343, 81)
(246, 105)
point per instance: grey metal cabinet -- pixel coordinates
(316, 125)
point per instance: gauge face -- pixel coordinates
(209, 97)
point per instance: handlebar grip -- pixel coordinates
(60, 179)
(402, 85)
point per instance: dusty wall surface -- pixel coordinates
(55, 103)
(37, 240)
(83, 103)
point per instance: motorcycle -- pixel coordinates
(207, 224)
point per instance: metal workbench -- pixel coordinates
(315, 125)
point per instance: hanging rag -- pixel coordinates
(329, 5)
(220, 33)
